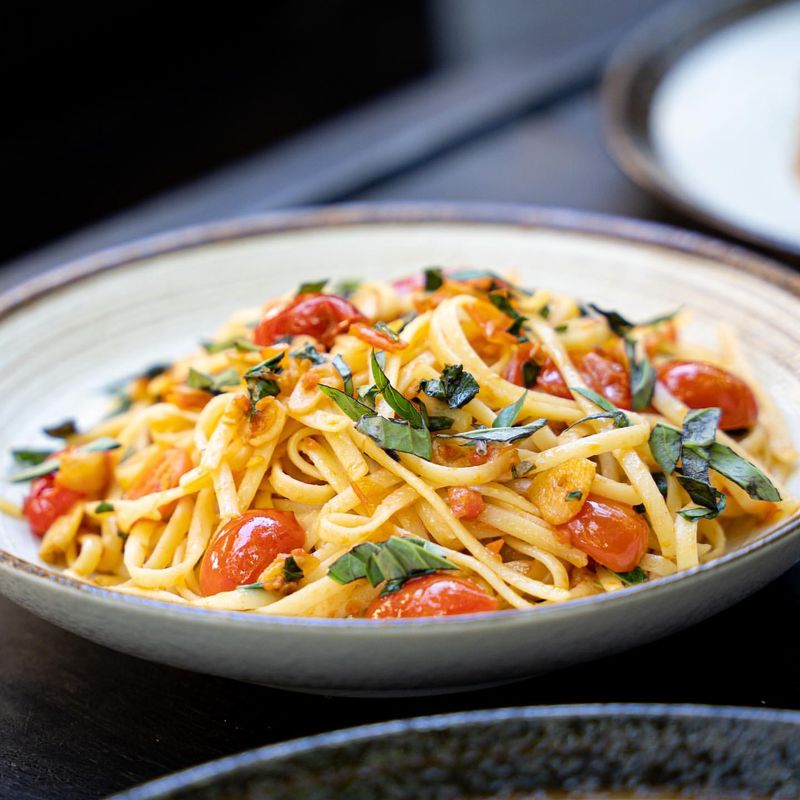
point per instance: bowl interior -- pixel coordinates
(61, 350)
(520, 754)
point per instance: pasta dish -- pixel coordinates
(448, 443)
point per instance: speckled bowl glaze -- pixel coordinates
(67, 335)
(641, 751)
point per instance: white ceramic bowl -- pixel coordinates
(65, 336)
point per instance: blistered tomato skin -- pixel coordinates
(702, 385)
(465, 503)
(47, 501)
(436, 595)
(165, 474)
(323, 316)
(246, 546)
(612, 533)
(600, 373)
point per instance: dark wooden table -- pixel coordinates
(80, 721)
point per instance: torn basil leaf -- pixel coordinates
(665, 445)
(576, 495)
(268, 367)
(352, 407)
(62, 430)
(530, 372)
(397, 402)
(312, 287)
(32, 457)
(51, 464)
(437, 423)
(619, 417)
(621, 326)
(433, 279)
(352, 566)
(292, 571)
(260, 380)
(633, 577)
(212, 383)
(699, 513)
(386, 330)
(309, 353)
(344, 370)
(642, 378)
(507, 416)
(258, 389)
(744, 474)
(700, 426)
(243, 345)
(660, 480)
(397, 434)
(456, 387)
(518, 470)
(394, 561)
(368, 395)
(37, 471)
(347, 288)
(502, 302)
(590, 417)
(101, 445)
(703, 494)
(432, 423)
(103, 508)
(504, 435)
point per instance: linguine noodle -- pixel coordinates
(241, 425)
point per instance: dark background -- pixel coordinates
(105, 110)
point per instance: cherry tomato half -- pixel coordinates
(246, 546)
(436, 595)
(47, 501)
(612, 533)
(702, 385)
(464, 502)
(600, 373)
(164, 474)
(323, 316)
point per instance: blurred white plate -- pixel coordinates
(705, 108)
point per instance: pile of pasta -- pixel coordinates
(449, 423)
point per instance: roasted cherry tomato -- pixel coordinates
(436, 595)
(323, 316)
(612, 533)
(47, 501)
(246, 546)
(600, 373)
(702, 385)
(465, 503)
(164, 474)
(375, 338)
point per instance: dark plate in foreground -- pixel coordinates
(694, 751)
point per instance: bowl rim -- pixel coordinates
(405, 213)
(228, 766)
(644, 57)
